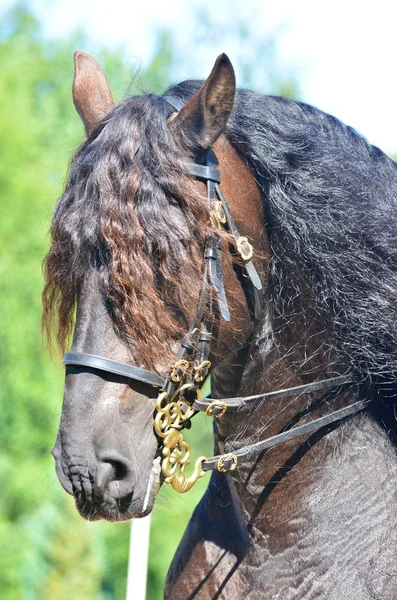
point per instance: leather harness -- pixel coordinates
(180, 390)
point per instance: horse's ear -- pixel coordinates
(203, 118)
(91, 92)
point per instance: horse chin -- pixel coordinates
(132, 506)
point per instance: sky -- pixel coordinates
(342, 53)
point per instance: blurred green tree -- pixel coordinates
(46, 549)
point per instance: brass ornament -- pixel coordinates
(244, 248)
(221, 463)
(172, 414)
(209, 411)
(179, 370)
(201, 371)
(217, 216)
(220, 211)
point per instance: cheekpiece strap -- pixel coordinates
(213, 254)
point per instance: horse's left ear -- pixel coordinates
(91, 92)
(203, 118)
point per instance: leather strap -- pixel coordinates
(213, 254)
(242, 402)
(81, 359)
(229, 461)
(175, 103)
(204, 172)
(249, 266)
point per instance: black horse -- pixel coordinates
(136, 268)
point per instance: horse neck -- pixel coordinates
(311, 479)
(266, 368)
(280, 504)
(260, 367)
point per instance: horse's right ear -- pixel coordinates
(91, 92)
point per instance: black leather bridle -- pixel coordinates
(192, 363)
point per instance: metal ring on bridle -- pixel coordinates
(244, 248)
(201, 371)
(179, 370)
(221, 463)
(209, 411)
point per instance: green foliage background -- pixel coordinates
(46, 550)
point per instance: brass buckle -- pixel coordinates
(216, 404)
(244, 248)
(218, 215)
(201, 371)
(220, 211)
(179, 370)
(221, 462)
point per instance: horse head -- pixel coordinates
(127, 270)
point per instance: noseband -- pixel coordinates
(179, 397)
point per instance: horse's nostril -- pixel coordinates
(120, 470)
(115, 475)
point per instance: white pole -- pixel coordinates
(138, 559)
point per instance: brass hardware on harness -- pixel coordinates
(179, 370)
(201, 371)
(209, 411)
(220, 211)
(244, 248)
(221, 463)
(215, 223)
(172, 414)
(218, 215)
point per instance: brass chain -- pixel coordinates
(172, 413)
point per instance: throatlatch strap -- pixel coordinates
(249, 266)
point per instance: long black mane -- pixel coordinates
(330, 200)
(129, 210)
(331, 217)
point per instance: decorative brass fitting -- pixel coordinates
(221, 463)
(201, 371)
(209, 411)
(217, 215)
(244, 248)
(172, 414)
(179, 370)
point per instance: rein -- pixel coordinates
(179, 397)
